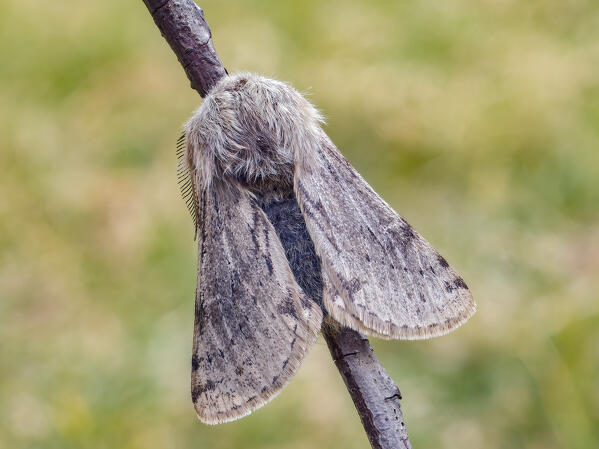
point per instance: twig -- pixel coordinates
(375, 395)
(182, 24)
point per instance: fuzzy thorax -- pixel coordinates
(252, 129)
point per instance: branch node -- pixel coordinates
(395, 396)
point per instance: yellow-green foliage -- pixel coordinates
(477, 120)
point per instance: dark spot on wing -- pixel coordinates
(331, 170)
(407, 232)
(375, 239)
(208, 386)
(442, 261)
(354, 285)
(194, 394)
(268, 262)
(287, 307)
(459, 283)
(195, 363)
(201, 388)
(285, 363)
(266, 236)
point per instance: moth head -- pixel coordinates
(247, 129)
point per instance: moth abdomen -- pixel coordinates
(284, 213)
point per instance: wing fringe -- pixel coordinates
(369, 324)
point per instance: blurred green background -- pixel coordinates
(477, 120)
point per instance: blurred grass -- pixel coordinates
(477, 120)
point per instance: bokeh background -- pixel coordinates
(478, 120)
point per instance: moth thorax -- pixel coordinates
(259, 162)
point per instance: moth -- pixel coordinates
(289, 234)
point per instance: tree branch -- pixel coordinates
(375, 395)
(182, 24)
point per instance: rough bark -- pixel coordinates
(182, 24)
(375, 395)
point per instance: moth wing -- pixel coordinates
(380, 276)
(253, 323)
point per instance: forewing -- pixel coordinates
(253, 324)
(380, 276)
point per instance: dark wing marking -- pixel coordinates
(380, 276)
(253, 324)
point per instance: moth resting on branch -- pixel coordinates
(264, 183)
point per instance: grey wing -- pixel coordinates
(253, 324)
(380, 276)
